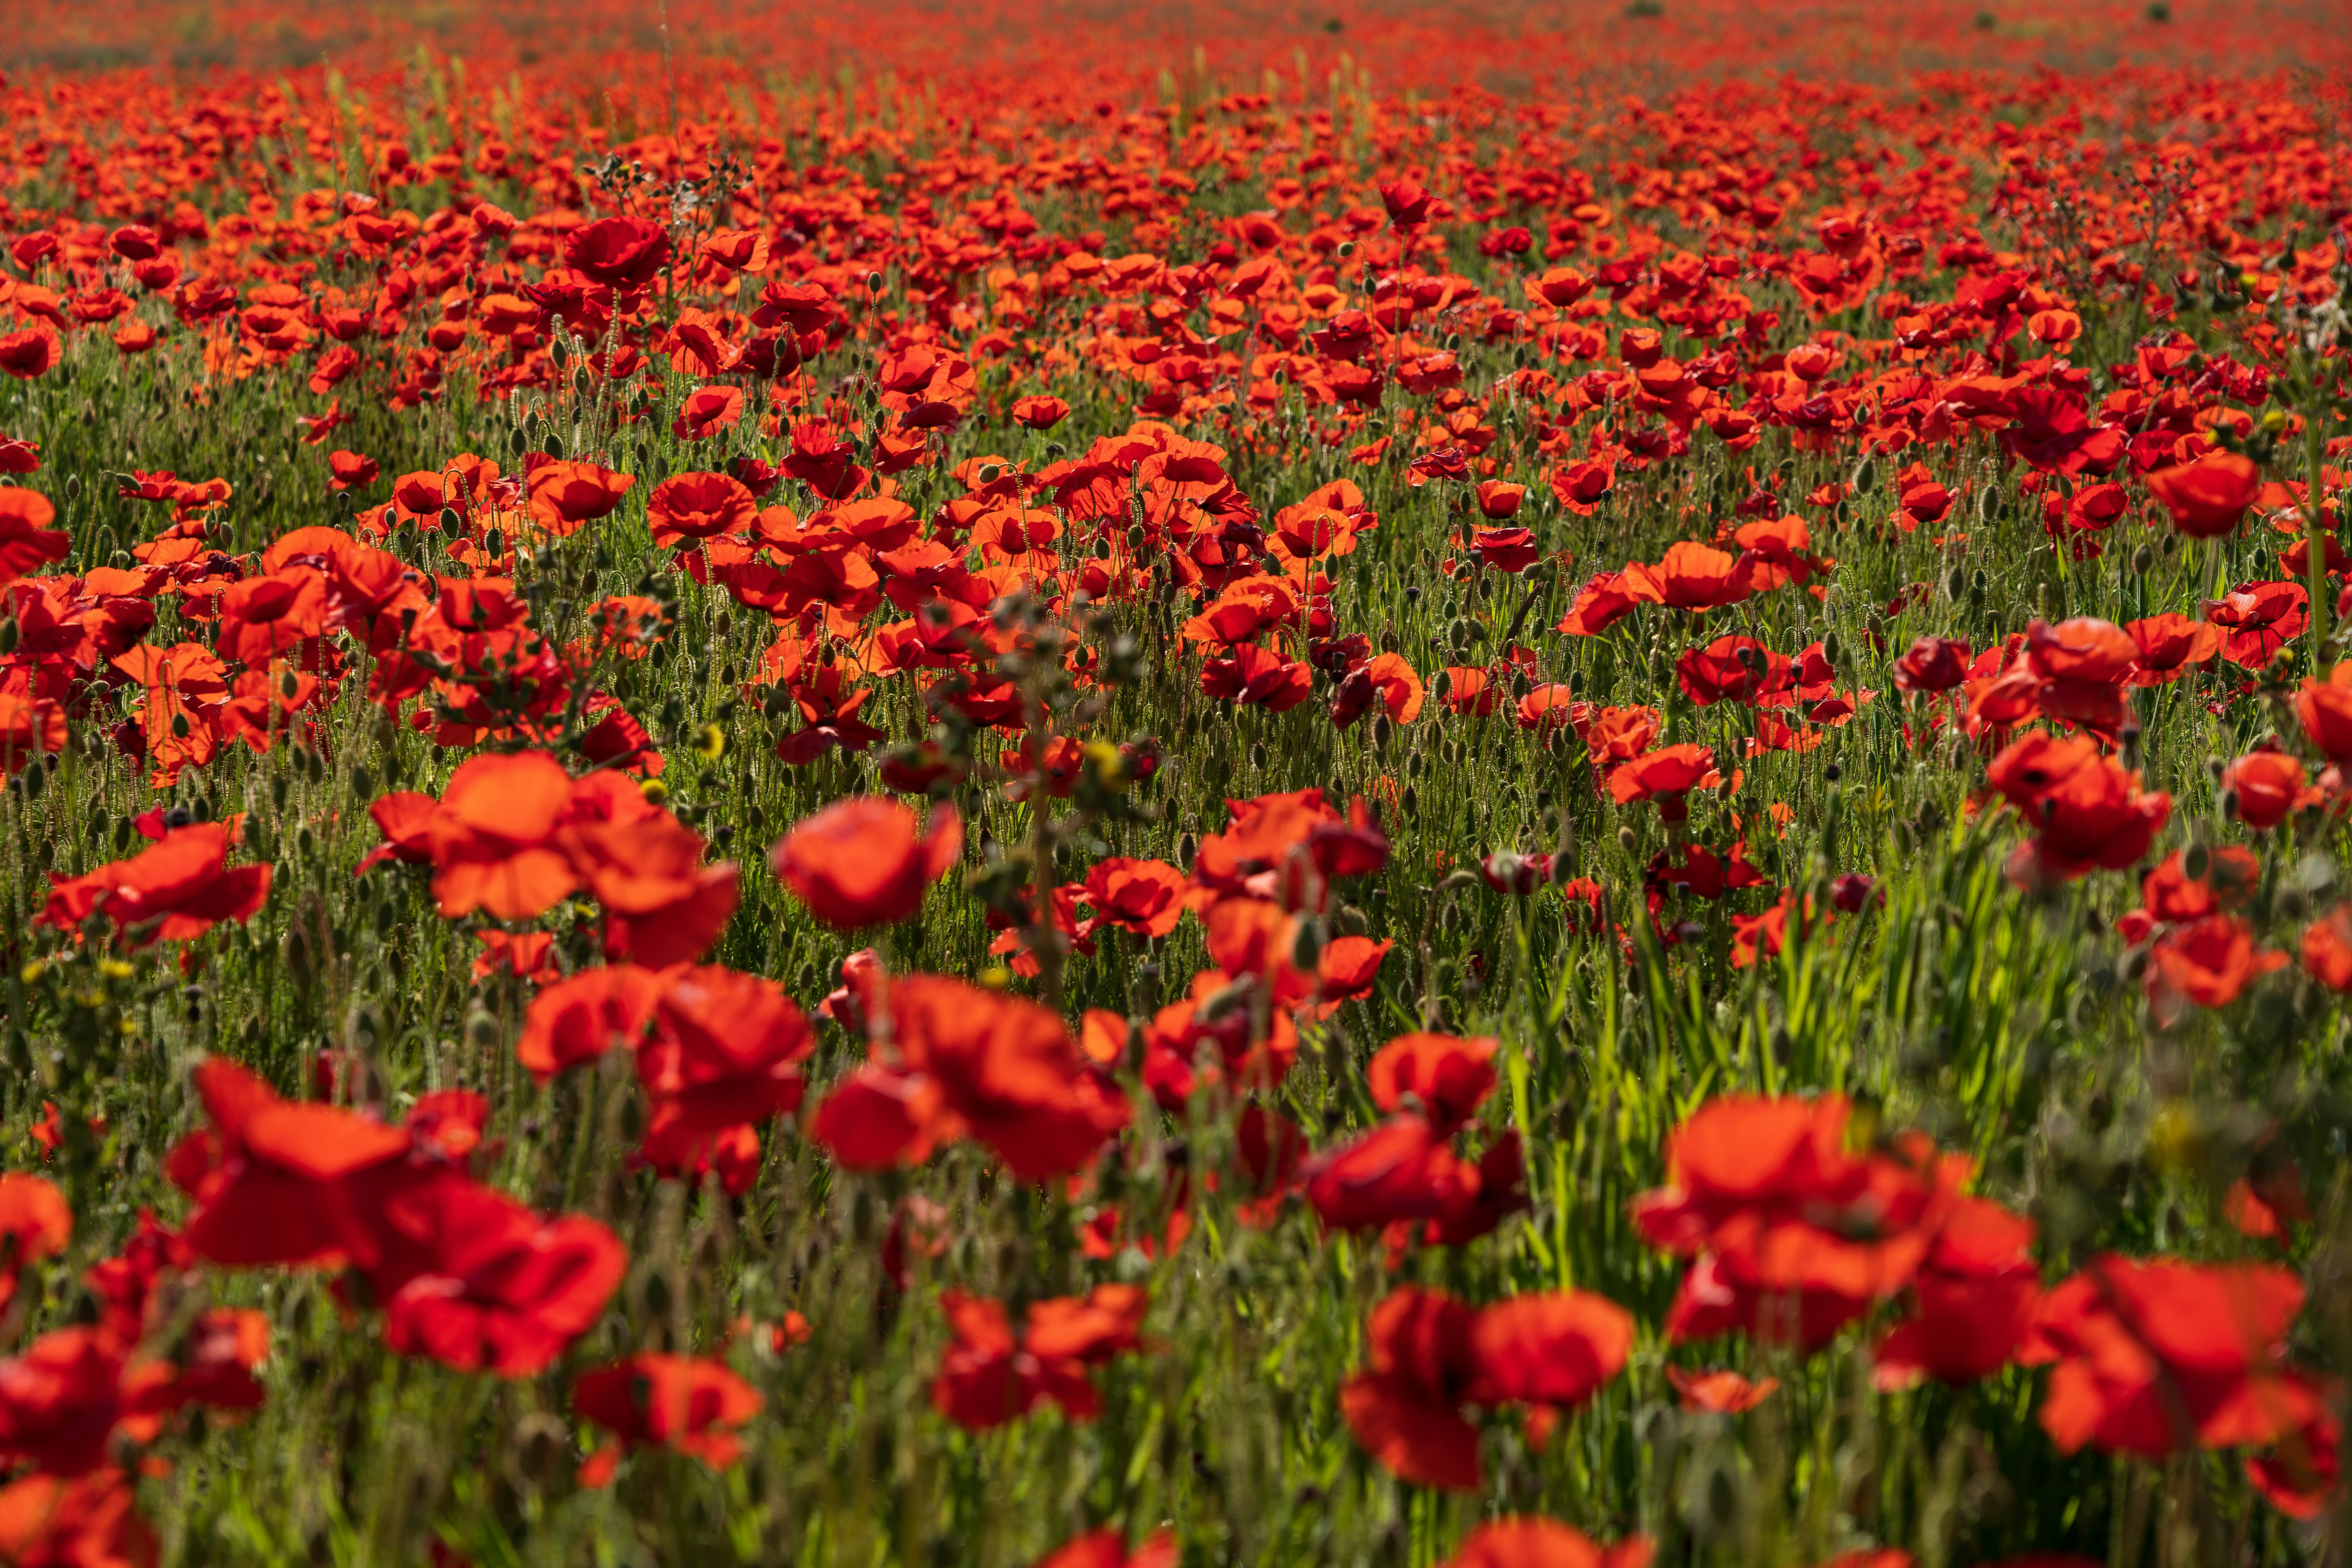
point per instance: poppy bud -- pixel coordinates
(538, 1449)
(1307, 946)
(1625, 839)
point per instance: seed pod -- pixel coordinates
(297, 953)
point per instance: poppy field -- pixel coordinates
(1021, 788)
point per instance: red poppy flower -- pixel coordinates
(88, 1521)
(350, 469)
(1404, 1169)
(2257, 619)
(2324, 708)
(29, 353)
(683, 1403)
(1144, 897)
(2085, 650)
(263, 616)
(1720, 1393)
(1450, 1078)
(1532, 1543)
(706, 411)
(961, 1061)
(1507, 871)
(576, 1020)
(1499, 499)
(27, 541)
(1348, 967)
(1664, 775)
(1582, 486)
(1733, 669)
(177, 890)
(1106, 1548)
(1690, 576)
(725, 1054)
(1975, 1297)
(618, 252)
(2328, 949)
(1255, 677)
(2171, 646)
(493, 837)
(2208, 497)
(1932, 664)
(564, 496)
(989, 1376)
(505, 1291)
(1614, 735)
(1606, 599)
(2159, 1355)
(2208, 962)
(1505, 549)
(867, 860)
(1039, 412)
(2268, 785)
(699, 506)
(1792, 1236)
(1433, 1355)
(279, 1181)
(2088, 811)
(34, 1223)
